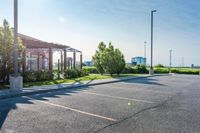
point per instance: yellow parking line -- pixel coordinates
(75, 110)
(117, 97)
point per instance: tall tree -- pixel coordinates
(97, 57)
(120, 61)
(6, 50)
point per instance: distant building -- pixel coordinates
(138, 61)
(88, 63)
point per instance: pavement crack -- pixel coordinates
(141, 111)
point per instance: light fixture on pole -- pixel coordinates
(151, 71)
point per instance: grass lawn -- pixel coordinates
(85, 78)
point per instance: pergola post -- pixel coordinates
(38, 61)
(43, 67)
(58, 65)
(50, 59)
(61, 62)
(65, 59)
(30, 61)
(74, 59)
(81, 60)
(24, 60)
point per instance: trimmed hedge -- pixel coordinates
(75, 73)
(142, 69)
(31, 76)
(161, 70)
(185, 71)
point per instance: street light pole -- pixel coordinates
(170, 59)
(16, 81)
(15, 54)
(145, 49)
(151, 67)
(183, 62)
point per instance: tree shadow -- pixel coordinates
(145, 80)
(7, 105)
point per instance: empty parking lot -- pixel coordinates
(155, 104)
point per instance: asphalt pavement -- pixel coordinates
(163, 104)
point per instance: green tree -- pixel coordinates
(97, 57)
(107, 59)
(112, 60)
(6, 50)
(120, 61)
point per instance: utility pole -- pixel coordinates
(170, 59)
(151, 72)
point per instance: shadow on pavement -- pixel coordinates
(145, 80)
(6, 105)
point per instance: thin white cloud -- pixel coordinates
(61, 19)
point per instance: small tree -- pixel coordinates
(109, 60)
(6, 50)
(120, 61)
(96, 58)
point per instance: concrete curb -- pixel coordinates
(18, 94)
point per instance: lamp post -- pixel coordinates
(151, 72)
(145, 49)
(15, 55)
(170, 59)
(145, 59)
(16, 81)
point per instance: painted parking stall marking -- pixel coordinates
(116, 97)
(75, 110)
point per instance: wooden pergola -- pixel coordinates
(43, 54)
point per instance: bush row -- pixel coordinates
(185, 71)
(70, 73)
(31, 76)
(137, 69)
(161, 70)
(42, 75)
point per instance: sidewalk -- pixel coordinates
(48, 88)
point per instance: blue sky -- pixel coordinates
(82, 24)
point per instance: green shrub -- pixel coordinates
(185, 71)
(75, 73)
(161, 70)
(90, 70)
(32, 76)
(141, 69)
(29, 76)
(82, 73)
(70, 73)
(128, 70)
